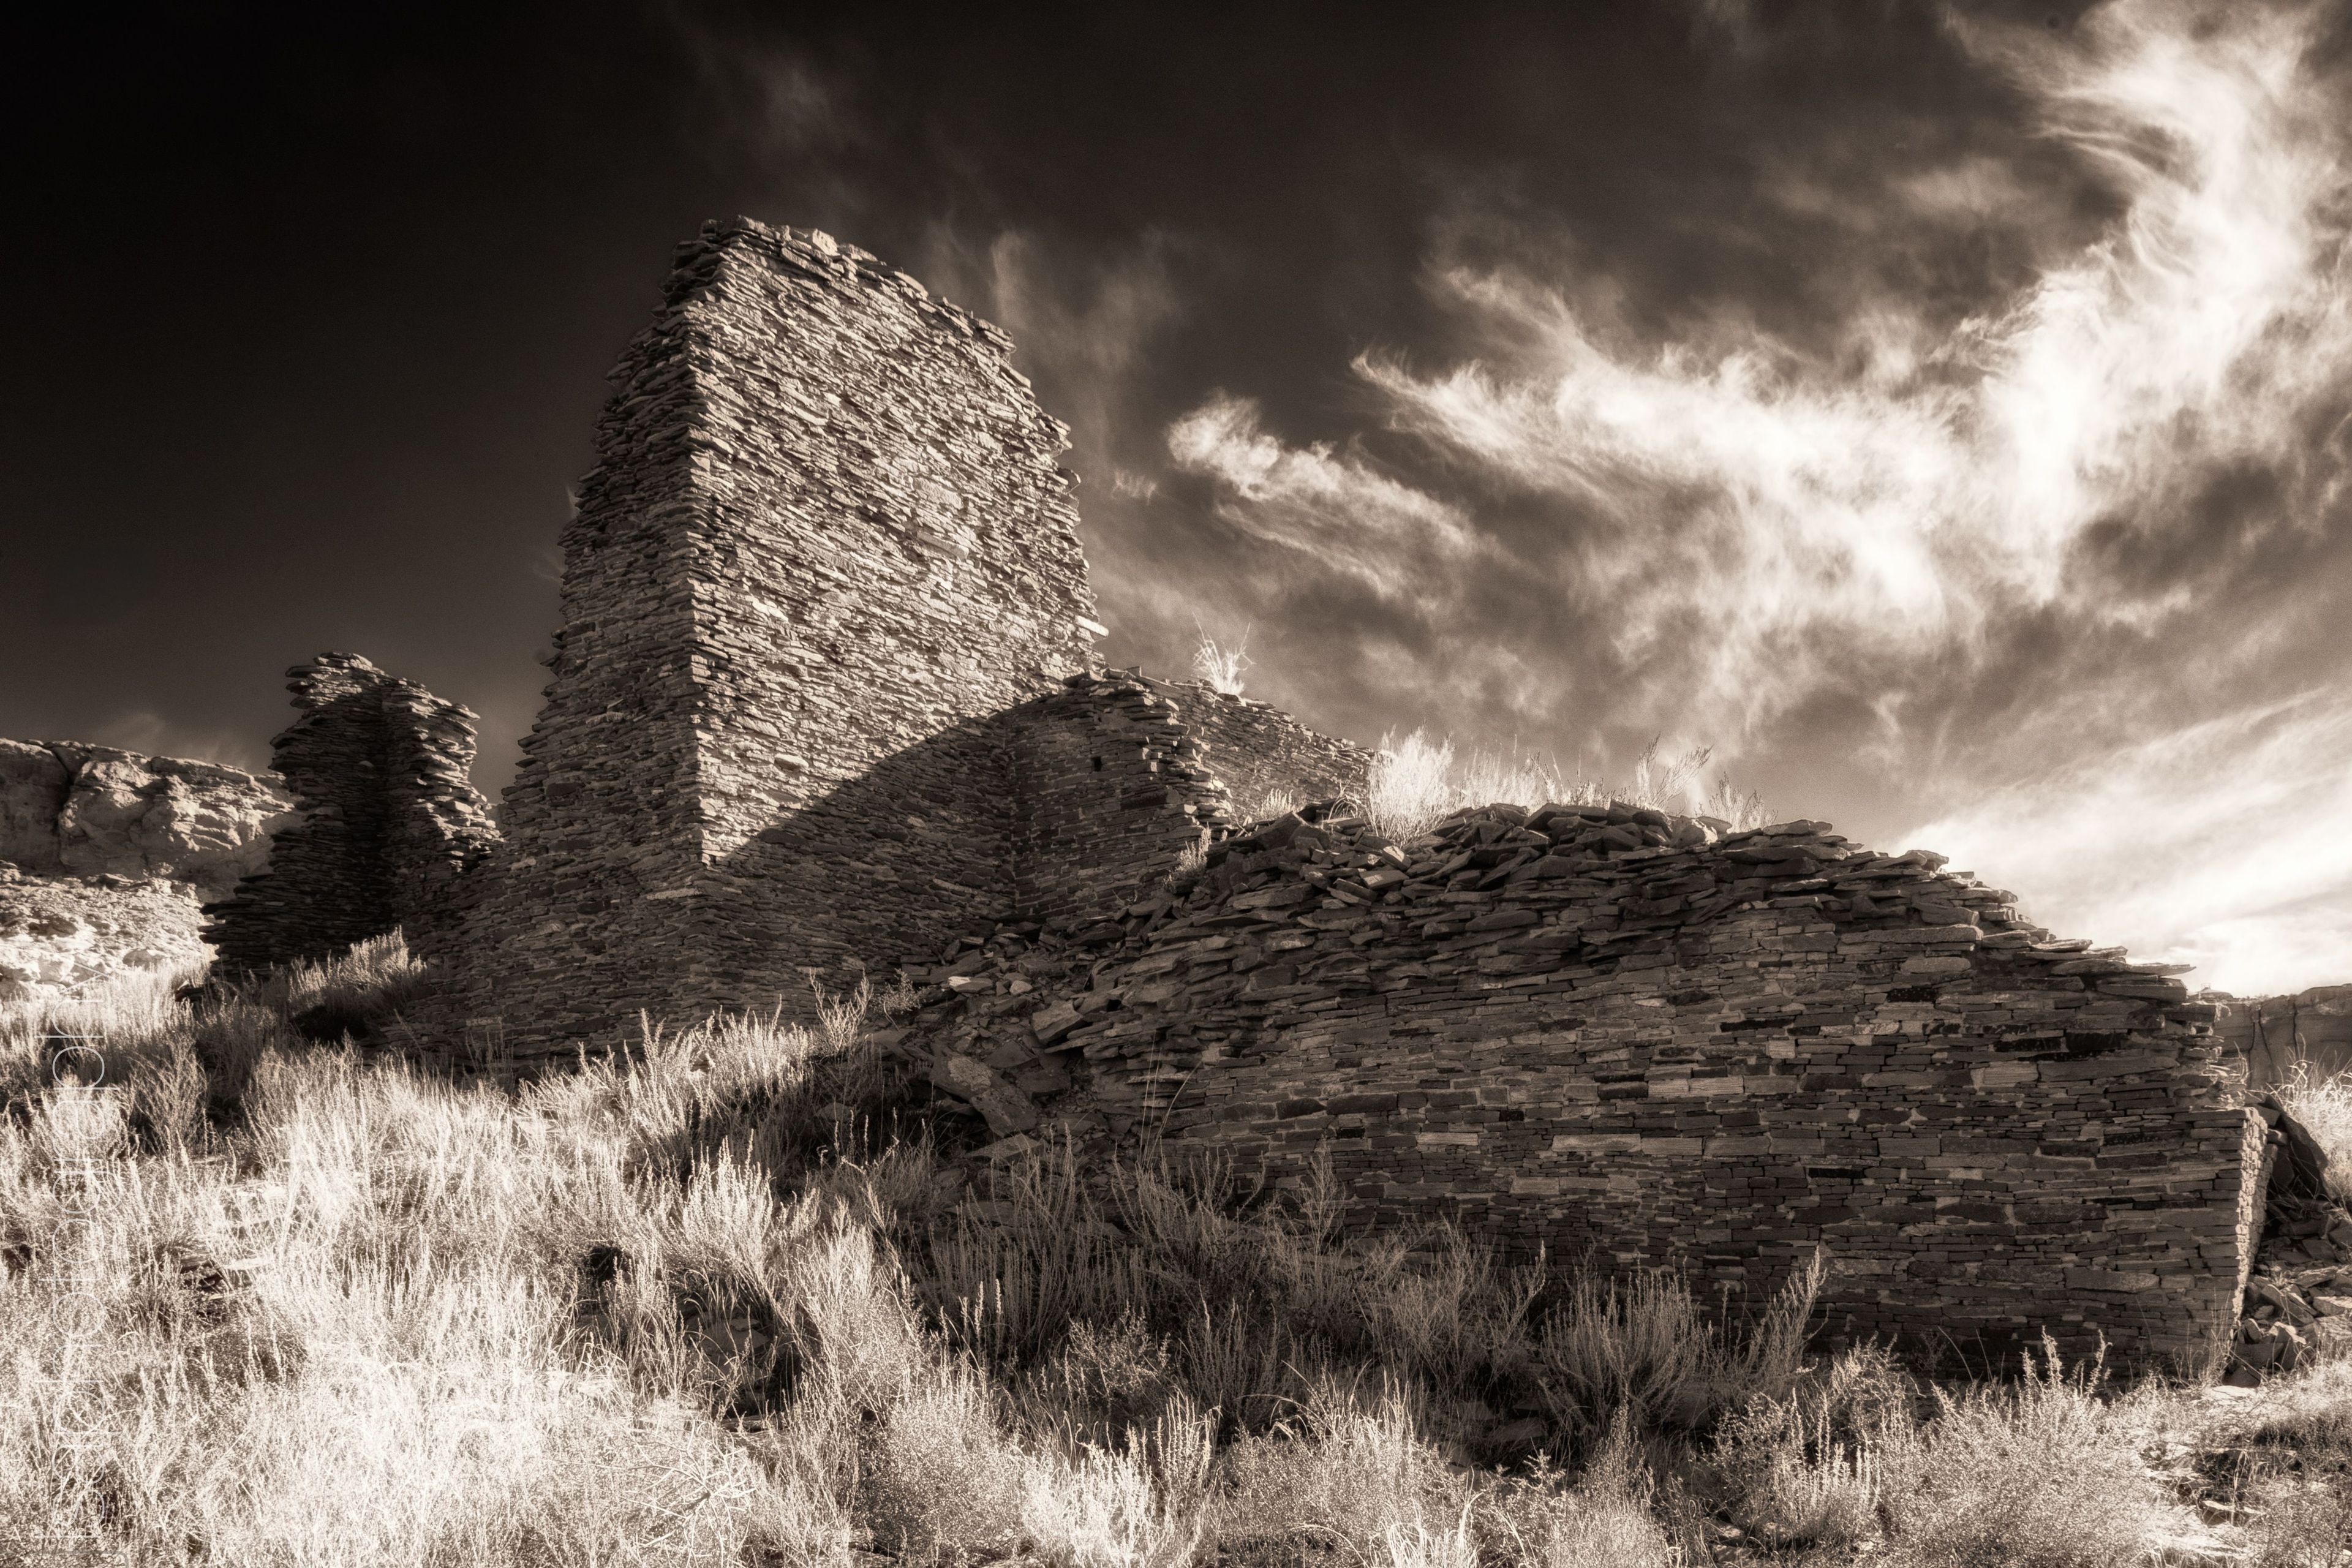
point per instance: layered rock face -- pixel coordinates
(1635, 1041)
(71, 809)
(826, 542)
(105, 856)
(385, 824)
(65, 937)
(2277, 1032)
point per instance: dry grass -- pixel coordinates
(1220, 667)
(2324, 1105)
(675, 1308)
(1417, 782)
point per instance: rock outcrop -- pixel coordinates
(71, 809)
(105, 856)
(64, 937)
(2277, 1032)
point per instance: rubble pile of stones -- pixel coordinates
(2299, 1294)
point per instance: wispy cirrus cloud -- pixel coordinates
(2226, 843)
(2061, 522)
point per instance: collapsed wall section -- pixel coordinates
(1609, 1033)
(826, 538)
(384, 823)
(1117, 775)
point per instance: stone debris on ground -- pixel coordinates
(2298, 1295)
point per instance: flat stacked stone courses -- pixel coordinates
(385, 819)
(827, 536)
(1610, 1032)
(1119, 774)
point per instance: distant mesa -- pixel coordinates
(106, 857)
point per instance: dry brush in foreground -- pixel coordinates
(723, 1301)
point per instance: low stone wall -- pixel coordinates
(1118, 775)
(1613, 1034)
(386, 820)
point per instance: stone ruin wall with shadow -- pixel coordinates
(825, 701)
(824, 698)
(827, 543)
(385, 826)
(1632, 1041)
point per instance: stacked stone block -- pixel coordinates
(1634, 1041)
(385, 821)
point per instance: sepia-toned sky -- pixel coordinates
(1945, 412)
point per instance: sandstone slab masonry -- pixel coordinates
(386, 820)
(825, 701)
(827, 542)
(1633, 1040)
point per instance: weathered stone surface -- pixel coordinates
(2276, 1032)
(63, 937)
(1669, 1049)
(386, 824)
(67, 808)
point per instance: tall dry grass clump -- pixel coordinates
(670, 1307)
(1218, 665)
(2323, 1105)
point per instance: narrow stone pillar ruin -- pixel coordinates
(386, 820)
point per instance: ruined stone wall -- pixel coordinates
(1117, 775)
(1264, 757)
(1605, 1031)
(384, 819)
(826, 533)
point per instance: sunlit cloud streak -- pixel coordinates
(2222, 844)
(1759, 522)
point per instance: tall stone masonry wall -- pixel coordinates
(826, 542)
(1635, 1042)
(385, 821)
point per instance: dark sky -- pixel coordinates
(1937, 411)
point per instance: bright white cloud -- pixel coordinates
(1757, 526)
(2226, 844)
(1903, 506)
(1335, 508)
